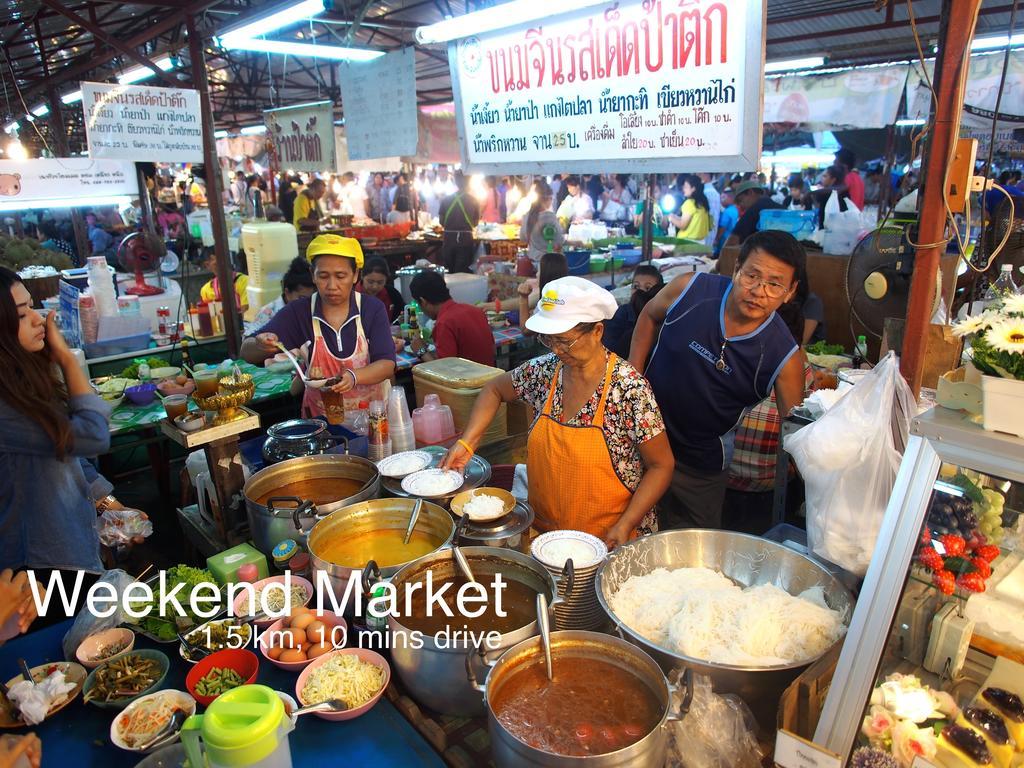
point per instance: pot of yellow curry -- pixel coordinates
(342, 543)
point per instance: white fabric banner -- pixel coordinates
(856, 98)
(143, 123)
(36, 183)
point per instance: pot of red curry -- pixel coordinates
(606, 706)
(428, 652)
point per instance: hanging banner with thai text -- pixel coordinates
(303, 136)
(855, 98)
(379, 100)
(632, 86)
(143, 123)
(44, 182)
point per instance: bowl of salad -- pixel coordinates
(165, 628)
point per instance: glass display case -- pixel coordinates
(933, 665)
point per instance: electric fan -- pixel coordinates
(140, 252)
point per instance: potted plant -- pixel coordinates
(997, 351)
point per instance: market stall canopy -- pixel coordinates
(59, 43)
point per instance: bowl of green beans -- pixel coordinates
(220, 672)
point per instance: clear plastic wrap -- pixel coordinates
(717, 732)
(119, 527)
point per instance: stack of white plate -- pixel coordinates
(581, 609)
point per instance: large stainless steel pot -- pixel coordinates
(747, 560)
(274, 521)
(435, 674)
(373, 515)
(508, 751)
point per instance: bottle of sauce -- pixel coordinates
(193, 320)
(205, 321)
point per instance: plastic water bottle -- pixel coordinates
(1002, 287)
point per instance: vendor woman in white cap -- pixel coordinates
(348, 333)
(598, 458)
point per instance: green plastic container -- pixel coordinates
(245, 727)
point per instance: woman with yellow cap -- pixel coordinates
(348, 333)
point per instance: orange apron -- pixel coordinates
(331, 366)
(572, 481)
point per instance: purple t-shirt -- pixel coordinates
(293, 326)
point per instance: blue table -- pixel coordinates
(79, 735)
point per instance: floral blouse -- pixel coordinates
(631, 415)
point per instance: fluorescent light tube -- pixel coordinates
(302, 11)
(71, 98)
(137, 74)
(910, 121)
(790, 65)
(335, 52)
(252, 130)
(220, 134)
(40, 110)
(10, 127)
(1000, 41)
(63, 202)
(498, 17)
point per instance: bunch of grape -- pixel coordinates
(950, 514)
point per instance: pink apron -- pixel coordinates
(322, 358)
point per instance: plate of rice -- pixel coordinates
(482, 505)
(432, 483)
(358, 676)
(404, 463)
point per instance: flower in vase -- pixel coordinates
(909, 741)
(1014, 304)
(973, 324)
(1007, 335)
(877, 725)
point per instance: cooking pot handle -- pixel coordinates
(685, 680)
(305, 509)
(472, 654)
(459, 528)
(370, 576)
(339, 438)
(273, 501)
(566, 581)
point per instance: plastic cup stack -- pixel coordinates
(403, 437)
(101, 286)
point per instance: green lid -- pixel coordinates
(241, 727)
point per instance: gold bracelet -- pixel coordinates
(465, 445)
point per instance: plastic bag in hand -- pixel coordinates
(86, 623)
(119, 527)
(716, 732)
(849, 459)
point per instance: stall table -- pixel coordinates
(79, 735)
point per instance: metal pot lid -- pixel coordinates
(512, 524)
(478, 472)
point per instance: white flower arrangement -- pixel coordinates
(905, 717)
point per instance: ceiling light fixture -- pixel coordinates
(72, 98)
(792, 65)
(498, 17)
(138, 74)
(335, 52)
(11, 127)
(906, 121)
(220, 134)
(16, 151)
(252, 130)
(40, 110)
(999, 41)
(302, 11)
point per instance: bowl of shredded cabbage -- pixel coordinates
(357, 676)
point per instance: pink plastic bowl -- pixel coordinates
(349, 714)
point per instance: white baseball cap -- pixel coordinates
(568, 301)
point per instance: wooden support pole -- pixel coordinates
(214, 190)
(955, 35)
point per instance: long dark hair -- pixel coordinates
(543, 191)
(698, 195)
(30, 384)
(552, 266)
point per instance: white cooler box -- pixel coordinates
(466, 288)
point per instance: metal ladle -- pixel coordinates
(412, 520)
(313, 383)
(545, 631)
(463, 564)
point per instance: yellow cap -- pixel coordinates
(335, 245)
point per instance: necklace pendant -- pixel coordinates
(720, 365)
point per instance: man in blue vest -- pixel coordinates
(712, 346)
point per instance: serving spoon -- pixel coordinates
(415, 516)
(170, 728)
(545, 631)
(331, 705)
(312, 383)
(463, 563)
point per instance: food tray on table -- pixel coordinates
(478, 472)
(154, 584)
(211, 433)
(73, 673)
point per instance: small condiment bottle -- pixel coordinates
(283, 552)
(299, 565)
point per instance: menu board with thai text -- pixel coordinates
(633, 86)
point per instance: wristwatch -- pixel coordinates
(105, 503)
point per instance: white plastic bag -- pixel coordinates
(717, 731)
(842, 228)
(87, 623)
(848, 459)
